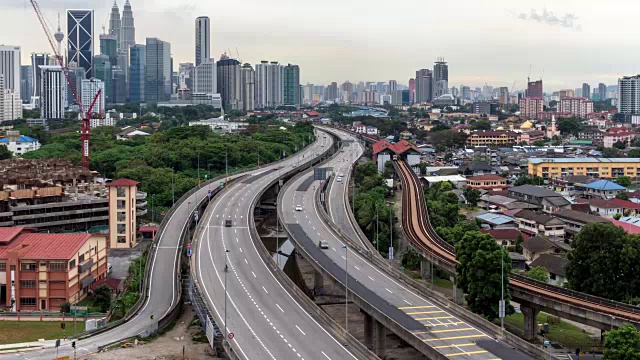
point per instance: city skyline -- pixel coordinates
(493, 43)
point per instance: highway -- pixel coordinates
(265, 319)
(430, 323)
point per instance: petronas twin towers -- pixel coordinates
(124, 31)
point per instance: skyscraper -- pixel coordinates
(115, 23)
(393, 85)
(424, 86)
(534, 88)
(137, 61)
(206, 77)
(269, 85)
(157, 70)
(629, 95)
(229, 83)
(10, 67)
(80, 38)
(248, 87)
(118, 86)
(38, 60)
(109, 47)
(76, 75)
(90, 88)
(26, 83)
(53, 92)
(292, 85)
(412, 90)
(602, 91)
(440, 70)
(203, 39)
(127, 28)
(102, 70)
(586, 90)
(332, 91)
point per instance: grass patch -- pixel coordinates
(561, 332)
(27, 331)
(442, 283)
(89, 303)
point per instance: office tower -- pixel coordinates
(269, 85)
(440, 70)
(629, 95)
(90, 88)
(487, 92)
(118, 86)
(115, 23)
(10, 67)
(186, 76)
(249, 86)
(578, 92)
(76, 75)
(424, 86)
(602, 91)
(102, 69)
(393, 85)
(332, 91)
(441, 88)
(534, 88)
(38, 60)
(229, 83)
(137, 61)
(203, 39)
(127, 28)
(347, 87)
(412, 90)
(53, 90)
(26, 83)
(206, 77)
(586, 91)
(80, 39)
(465, 92)
(109, 47)
(291, 85)
(157, 70)
(503, 97)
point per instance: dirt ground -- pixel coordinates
(168, 346)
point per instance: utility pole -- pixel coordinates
(377, 231)
(226, 163)
(502, 308)
(198, 168)
(173, 192)
(152, 196)
(226, 270)
(346, 289)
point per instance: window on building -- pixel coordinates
(122, 216)
(27, 301)
(122, 240)
(57, 266)
(72, 264)
(3, 266)
(122, 228)
(81, 258)
(121, 204)
(27, 284)
(28, 266)
(121, 191)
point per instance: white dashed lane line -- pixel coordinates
(301, 330)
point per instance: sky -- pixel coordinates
(565, 42)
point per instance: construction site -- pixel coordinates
(55, 195)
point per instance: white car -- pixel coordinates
(298, 207)
(339, 179)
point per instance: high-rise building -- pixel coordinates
(602, 91)
(206, 77)
(102, 70)
(90, 88)
(534, 88)
(393, 85)
(291, 96)
(269, 85)
(115, 23)
(109, 47)
(10, 103)
(10, 67)
(440, 70)
(38, 60)
(118, 86)
(504, 95)
(465, 92)
(229, 83)
(127, 28)
(412, 90)
(157, 70)
(441, 87)
(248, 87)
(203, 39)
(26, 83)
(53, 90)
(530, 107)
(137, 62)
(332, 91)
(424, 86)
(80, 39)
(76, 75)
(586, 90)
(579, 107)
(629, 95)
(186, 76)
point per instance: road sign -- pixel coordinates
(230, 336)
(501, 309)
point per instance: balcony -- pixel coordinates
(141, 212)
(86, 266)
(141, 195)
(141, 204)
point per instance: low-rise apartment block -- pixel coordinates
(604, 168)
(489, 138)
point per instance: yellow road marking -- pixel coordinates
(450, 330)
(468, 353)
(455, 337)
(454, 345)
(425, 312)
(436, 318)
(449, 323)
(416, 307)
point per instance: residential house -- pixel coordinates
(505, 237)
(572, 184)
(530, 137)
(372, 130)
(128, 132)
(518, 262)
(20, 144)
(604, 189)
(575, 220)
(360, 128)
(630, 208)
(606, 208)
(591, 134)
(487, 182)
(503, 203)
(555, 266)
(496, 220)
(534, 223)
(476, 169)
(621, 134)
(548, 200)
(538, 245)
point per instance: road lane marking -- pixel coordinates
(415, 307)
(445, 324)
(265, 290)
(372, 279)
(454, 345)
(357, 268)
(424, 312)
(301, 330)
(280, 309)
(439, 317)
(402, 300)
(469, 353)
(245, 260)
(254, 274)
(455, 337)
(390, 292)
(325, 355)
(450, 330)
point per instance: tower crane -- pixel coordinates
(85, 122)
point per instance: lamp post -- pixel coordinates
(173, 193)
(346, 288)
(226, 270)
(377, 231)
(501, 307)
(152, 196)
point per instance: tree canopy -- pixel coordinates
(538, 273)
(622, 344)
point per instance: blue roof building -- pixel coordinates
(21, 144)
(604, 188)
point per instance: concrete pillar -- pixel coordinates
(318, 283)
(425, 268)
(458, 294)
(530, 322)
(368, 330)
(381, 340)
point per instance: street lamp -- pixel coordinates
(226, 270)
(501, 306)
(346, 289)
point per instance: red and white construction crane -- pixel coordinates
(85, 122)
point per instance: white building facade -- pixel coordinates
(206, 77)
(90, 88)
(269, 88)
(629, 95)
(10, 67)
(53, 91)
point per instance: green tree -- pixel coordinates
(5, 153)
(569, 126)
(617, 216)
(538, 273)
(623, 195)
(519, 241)
(65, 308)
(611, 152)
(539, 143)
(478, 273)
(102, 296)
(623, 181)
(634, 153)
(480, 125)
(472, 195)
(410, 258)
(619, 145)
(525, 180)
(622, 344)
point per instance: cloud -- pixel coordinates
(568, 20)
